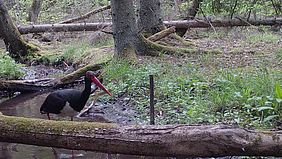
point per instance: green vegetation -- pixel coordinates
(278, 55)
(185, 94)
(9, 69)
(78, 52)
(267, 37)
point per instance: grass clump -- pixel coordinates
(278, 55)
(267, 37)
(186, 94)
(9, 69)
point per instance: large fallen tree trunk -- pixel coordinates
(168, 140)
(222, 23)
(178, 24)
(41, 28)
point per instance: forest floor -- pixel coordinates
(190, 88)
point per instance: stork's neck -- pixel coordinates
(87, 90)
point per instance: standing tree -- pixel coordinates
(193, 9)
(124, 28)
(34, 10)
(191, 13)
(15, 44)
(150, 20)
(128, 41)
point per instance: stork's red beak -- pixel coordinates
(99, 84)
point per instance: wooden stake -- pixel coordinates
(152, 109)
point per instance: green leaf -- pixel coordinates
(269, 118)
(278, 90)
(265, 108)
(279, 100)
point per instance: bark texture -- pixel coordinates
(34, 10)
(41, 28)
(15, 44)
(150, 20)
(161, 34)
(191, 13)
(124, 27)
(167, 140)
(178, 24)
(223, 23)
(193, 9)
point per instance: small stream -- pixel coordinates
(27, 105)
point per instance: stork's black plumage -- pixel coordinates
(70, 101)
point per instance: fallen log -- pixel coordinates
(178, 25)
(161, 34)
(41, 28)
(166, 140)
(26, 85)
(222, 23)
(71, 77)
(85, 16)
(48, 83)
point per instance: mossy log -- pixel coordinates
(26, 85)
(80, 72)
(155, 49)
(161, 34)
(47, 83)
(167, 140)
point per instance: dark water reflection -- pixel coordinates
(28, 105)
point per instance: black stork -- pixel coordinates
(69, 102)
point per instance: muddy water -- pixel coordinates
(27, 105)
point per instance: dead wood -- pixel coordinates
(47, 83)
(92, 104)
(222, 23)
(156, 49)
(26, 85)
(41, 28)
(148, 140)
(80, 72)
(85, 16)
(162, 34)
(178, 24)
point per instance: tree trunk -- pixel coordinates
(191, 13)
(193, 10)
(177, 24)
(150, 21)
(167, 140)
(41, 28)
(161, 34)
(223, 23)
(124, 29)
(34, 10)
(15, 44)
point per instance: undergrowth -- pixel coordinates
(186, 94)
(9, 69)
